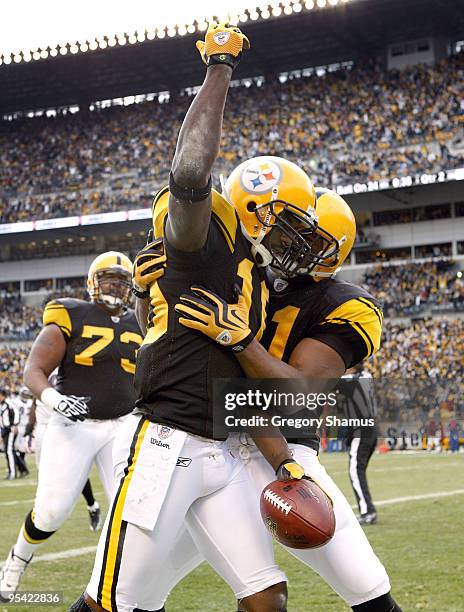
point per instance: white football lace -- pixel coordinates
(277, 501)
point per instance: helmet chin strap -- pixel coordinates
(257, 248)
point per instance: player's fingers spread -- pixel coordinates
(209, 296)
(192, 313)
(191, 324)
(196, 303)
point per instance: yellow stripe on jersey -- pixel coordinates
(223, 212)
(108, 585)
(264, 301)
(161, 315)
(375, 308)
(364, 317)
(160, 211)
(56, 313)
(244, 272)
(226, 216)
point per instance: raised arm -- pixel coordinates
(198, 142)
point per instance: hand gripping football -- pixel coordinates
(298, 513)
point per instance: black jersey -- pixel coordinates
(176, 366)
(343, 316)
(100, 355)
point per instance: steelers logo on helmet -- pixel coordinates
(260, 176)
(275, 199)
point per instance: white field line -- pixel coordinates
(16, 502)
(20, 483)
(397, 468)
(77, 552)
(400, 500)
(65, 554)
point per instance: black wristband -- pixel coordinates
(140, 294)
(224, 58)
(241, 346)
(189, 194)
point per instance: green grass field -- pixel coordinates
(420, 541)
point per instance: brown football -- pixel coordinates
(298, 513)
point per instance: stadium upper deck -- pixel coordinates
(316, 32)
(60, 174)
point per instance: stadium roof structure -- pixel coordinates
(330, 32)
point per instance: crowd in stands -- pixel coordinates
(17, 320)
(20, 321)
(346, 126)
(420, 370)
(406, 289)
(12, 359)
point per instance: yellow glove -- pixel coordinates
(223, 44)
(149, 265)
(290, 470)
(226, 324)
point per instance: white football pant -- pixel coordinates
(210, 493)
(347, 563)
(67, 453)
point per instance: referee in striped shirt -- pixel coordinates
(9, 421)
(358, 391)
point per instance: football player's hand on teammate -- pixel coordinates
(72, 407)
(290, 470)
(223, 44)
(149, 266)
(226, 324)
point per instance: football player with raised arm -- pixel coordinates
(317, 328)
(93, 345)
(172, 469)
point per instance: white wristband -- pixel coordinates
(50, 397)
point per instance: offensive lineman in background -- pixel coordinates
(93, 344)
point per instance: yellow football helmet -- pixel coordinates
(274, 199)
(109, 279)
(337, 231)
